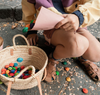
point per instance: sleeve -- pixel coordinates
(90, 11)
(80, 16)
(28, 10)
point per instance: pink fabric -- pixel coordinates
(46, 20)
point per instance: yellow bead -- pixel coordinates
(68, 79)
(7, 71)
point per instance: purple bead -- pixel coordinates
(31, 25)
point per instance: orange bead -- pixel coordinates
(3, 70)
(34, 21)
(30, 72)
(66, 68)
(11, 64)
(28, 25)
(7, 66)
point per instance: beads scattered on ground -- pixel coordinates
(66, 68)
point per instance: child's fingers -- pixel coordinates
(64, 15)
(65, 26)
(62, 22)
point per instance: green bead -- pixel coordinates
(6, 75)
(10, 68)
(16, 74)
(13, 68)
(9, 76)
(30, 69)
(57, 73)
(64, 62)
(25, 29)
(1, 82)
(31, 21)
(19, 69)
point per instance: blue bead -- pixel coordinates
(15, 64)
(18, 71)
(19, 59)
(12, 71)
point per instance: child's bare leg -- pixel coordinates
(68, 44)
(93, 52)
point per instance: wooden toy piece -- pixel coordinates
(6, 66)
(11, 64)
(57, 73)
(28, 25)
(3, 69)
(25, 29)
(85, 90)
(10, 68)
(68, 79)
(15, 64)
(66, 68)
(22, 67)
(20, 59)
(65, 63)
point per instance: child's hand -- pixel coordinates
(69, 22)
(32, 38)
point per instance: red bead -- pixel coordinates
(22, 67)
(16, 68)
(11, 74)
(15, 71)
(3, 72)
(85, 90)
(25, 77)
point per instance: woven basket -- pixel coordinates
(33, 57)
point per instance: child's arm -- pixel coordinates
(90, 11)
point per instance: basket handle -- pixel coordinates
(20, 36)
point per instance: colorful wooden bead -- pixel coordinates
(22, 67)
(11, 74)
(30, 72)
(16, 74)
(31, 21)
(3, 70)
(25, 29)
(66, 68)
(65, 63)
(19, 69)
(68, 79)
(1, 82)
(6, 75)
(11, 64)
(28, 25)
(57, 73)
(20, 59)
(15, 64)
(7, 71)
(15, 71)
(31, 25)
(7, 66)
(10, 68)
(12, 71)
(85, 90)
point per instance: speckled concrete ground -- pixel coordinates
(79, 78)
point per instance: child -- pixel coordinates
(82, 13)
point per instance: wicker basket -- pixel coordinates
(33, 57)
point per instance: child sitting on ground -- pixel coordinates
(78, 14)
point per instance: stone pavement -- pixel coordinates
(9, 12)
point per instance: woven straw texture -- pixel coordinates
(37, 59)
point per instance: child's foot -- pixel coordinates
(51, 70)
(91, 68)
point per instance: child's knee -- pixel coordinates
(79, 46)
